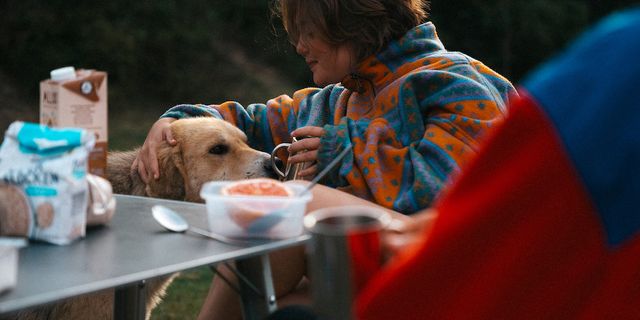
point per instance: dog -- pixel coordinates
(207, 149)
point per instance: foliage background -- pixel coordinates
(163, 52)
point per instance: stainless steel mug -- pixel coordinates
(344, 253)
(289, 172)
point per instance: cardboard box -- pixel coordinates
(78, 98)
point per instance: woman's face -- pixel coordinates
(328, 63)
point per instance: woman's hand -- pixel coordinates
(309, 142)
(403, 233)
(146, 162)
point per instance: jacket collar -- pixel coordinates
(378, 70)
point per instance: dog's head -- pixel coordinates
(207, 149)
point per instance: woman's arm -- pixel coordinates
(266, 125)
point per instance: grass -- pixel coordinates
(185, 295)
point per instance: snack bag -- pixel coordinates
(50, 167)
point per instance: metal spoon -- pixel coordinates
(326, 170)
(173, 221)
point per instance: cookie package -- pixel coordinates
(49, 166)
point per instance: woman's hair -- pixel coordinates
(368, 25)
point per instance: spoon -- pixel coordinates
(326, 170)
(267, 221)
(173, 221)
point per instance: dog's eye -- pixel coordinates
(219, 149)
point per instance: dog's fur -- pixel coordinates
(207, 149)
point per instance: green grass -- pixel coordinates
(185, 295)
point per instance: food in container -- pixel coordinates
(255, 208)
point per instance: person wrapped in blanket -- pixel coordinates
(411, 111)
(544, 224)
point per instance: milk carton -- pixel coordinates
(78, 98)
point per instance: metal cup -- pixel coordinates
(344, 253)
(289, 172)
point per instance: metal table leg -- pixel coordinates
(130, 302)
(257, 271)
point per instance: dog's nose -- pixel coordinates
(268, 167)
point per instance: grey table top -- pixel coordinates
(131, 248)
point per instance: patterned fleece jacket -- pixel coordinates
(413, 114)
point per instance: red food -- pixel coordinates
(258, 187)
(245, 213)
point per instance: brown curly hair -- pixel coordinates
(367, 25)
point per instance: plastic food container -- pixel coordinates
(257, 217)
(9, 261)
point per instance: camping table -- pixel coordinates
(133, 248)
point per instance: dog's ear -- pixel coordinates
(171, 184)
(189, 193)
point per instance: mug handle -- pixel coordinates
(287, 168)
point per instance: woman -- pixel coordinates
(549, 236)
(412, 111)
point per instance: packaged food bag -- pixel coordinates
(50, 167)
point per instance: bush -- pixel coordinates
(164, 50)
(206, 51)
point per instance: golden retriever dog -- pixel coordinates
(207, 149)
